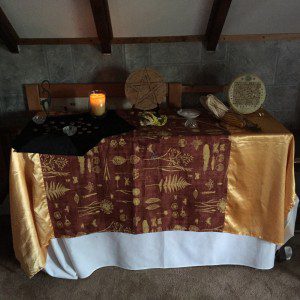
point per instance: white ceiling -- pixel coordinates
(139, 18)
(142, 18)
(263, 16)
(50, 18)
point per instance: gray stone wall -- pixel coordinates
(276, 62)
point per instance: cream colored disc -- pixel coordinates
(145, 89)
(246, 93)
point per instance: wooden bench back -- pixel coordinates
(34, 92)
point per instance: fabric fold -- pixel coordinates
(31, 225)
(261, 184)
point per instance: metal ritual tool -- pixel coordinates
(46, 102)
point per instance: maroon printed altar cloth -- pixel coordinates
(148, 180)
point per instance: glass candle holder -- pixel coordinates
(97, 103)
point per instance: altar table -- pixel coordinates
(157, 197)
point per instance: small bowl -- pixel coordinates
(70, 130)
(39, 119)
(189, 113)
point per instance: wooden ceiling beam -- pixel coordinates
(101, 15)
(160, 39)
(8, 34)
(216, 22)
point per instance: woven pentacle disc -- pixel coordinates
(246, 93)
(145, 89)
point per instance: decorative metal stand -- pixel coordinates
(45, 85)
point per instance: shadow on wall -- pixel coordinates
(110, 74)
(212, 75)
(12, 103)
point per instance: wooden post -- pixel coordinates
(175, 93)
(33, 97)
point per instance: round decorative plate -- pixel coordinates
(246, 93)
(145, 89)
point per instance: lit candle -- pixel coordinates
(97, 103)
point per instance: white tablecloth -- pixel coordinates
(79, 257)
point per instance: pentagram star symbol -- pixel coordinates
(146, 89)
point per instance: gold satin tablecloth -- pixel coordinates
(261, 192)
(261, 183)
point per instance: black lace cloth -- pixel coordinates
(49, 138)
